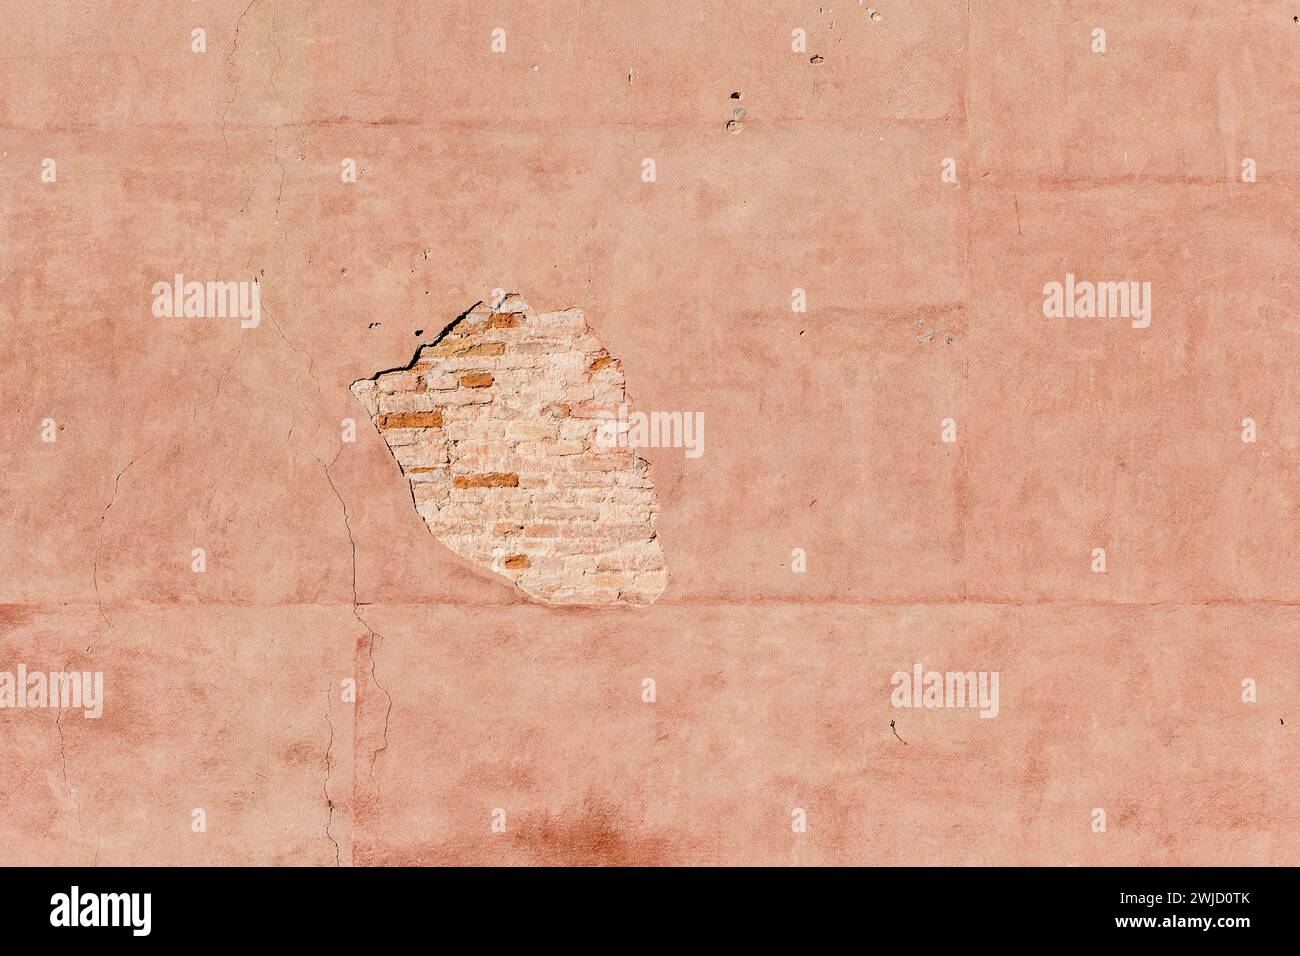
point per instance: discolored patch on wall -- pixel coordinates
(593, 833)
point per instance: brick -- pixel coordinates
(492, 479)
(399, 382)
(531, 430)
(407, 402)
(486, 348)
(442, 381)
(410, 420)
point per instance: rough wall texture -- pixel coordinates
(494, 423)
(523, 170)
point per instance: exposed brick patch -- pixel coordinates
(494, 424)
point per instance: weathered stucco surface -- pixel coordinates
(477, 170)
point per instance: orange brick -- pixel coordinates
(489, 479)
(411, 420)
(476, 380)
